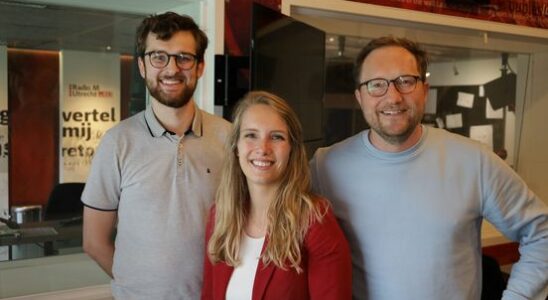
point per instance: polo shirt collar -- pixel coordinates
(157, 130)
(197, 127)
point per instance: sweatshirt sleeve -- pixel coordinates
(521, 216)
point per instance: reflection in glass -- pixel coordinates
(31, 40)
(472, 93)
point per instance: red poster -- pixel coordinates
(533, 13)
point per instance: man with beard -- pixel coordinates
(154, 175)
(411, 198)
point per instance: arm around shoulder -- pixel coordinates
(98, 230)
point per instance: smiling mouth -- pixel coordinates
(393, 112)
(261, 163)
(171, 81)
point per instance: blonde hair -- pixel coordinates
(289, 215)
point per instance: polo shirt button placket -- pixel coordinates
(180, 153)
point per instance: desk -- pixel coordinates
(490, 236)
(496, 245)
(46, 232)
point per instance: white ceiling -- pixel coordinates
(126, 6)
(76, 24)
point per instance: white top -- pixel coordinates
(240, 286)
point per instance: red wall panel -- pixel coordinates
(33, 104)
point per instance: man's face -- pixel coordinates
(394, 117)
(171, 85)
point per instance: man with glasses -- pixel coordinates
(154, 175)
(411, 198)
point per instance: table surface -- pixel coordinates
(490, 236)
(39, 232)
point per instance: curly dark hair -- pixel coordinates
(164, 26)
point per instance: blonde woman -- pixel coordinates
(267, 236)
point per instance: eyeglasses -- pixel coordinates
(160, 59)
(378, 87)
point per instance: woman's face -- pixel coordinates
(263, 145)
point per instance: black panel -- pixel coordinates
(474, 116)
(502, 91)
(231, 81)
(288, 59)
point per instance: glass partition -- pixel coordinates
(67, 75)
(472, 92)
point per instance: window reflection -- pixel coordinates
(32, 38)
(472, 93)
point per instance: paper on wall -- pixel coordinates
(490, 113)
(440, 123)
(453, 121)
(481, 91)
(465, 100)
(482, 134)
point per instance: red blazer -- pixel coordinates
(326, 264)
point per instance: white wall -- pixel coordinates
(533, 152)
(470, 72)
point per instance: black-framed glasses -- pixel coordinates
(378, 87)
(160, 59)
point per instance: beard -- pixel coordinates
(174, 101)
(394, 139)
(387, 134)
